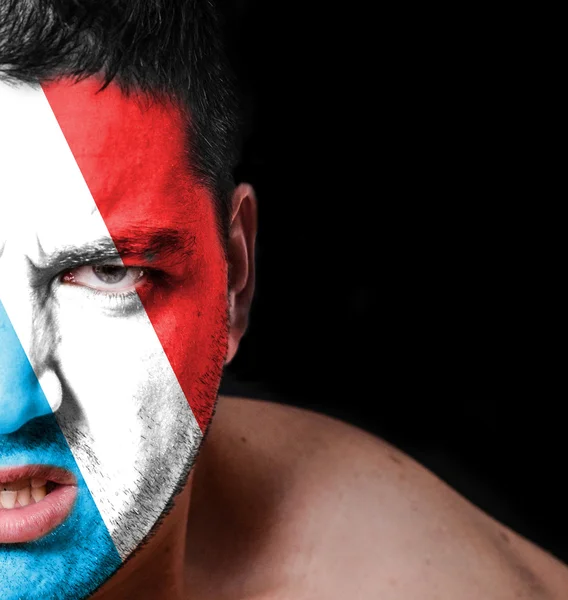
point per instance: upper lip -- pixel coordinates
(50, 473)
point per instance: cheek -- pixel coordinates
(113, 368)
(126, 418)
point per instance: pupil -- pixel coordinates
(110, 273)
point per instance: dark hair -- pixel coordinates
(159, 47)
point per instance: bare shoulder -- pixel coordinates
(310, 507)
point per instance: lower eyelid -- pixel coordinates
(120, 302)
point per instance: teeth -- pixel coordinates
(37, 483)
(24, 496)
(16, 496)
(38, 493)
(8, 498)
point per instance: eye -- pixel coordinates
(106, 278)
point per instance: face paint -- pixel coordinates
(113, 287)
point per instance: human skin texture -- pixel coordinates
(113, 321)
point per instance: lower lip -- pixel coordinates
(29, 523)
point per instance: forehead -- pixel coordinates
(64, 140)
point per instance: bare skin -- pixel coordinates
(284, 503)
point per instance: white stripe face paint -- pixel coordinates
(96, 354)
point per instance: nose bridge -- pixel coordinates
(24, 344)
(14, 363)
(21, 397)
(16, 294)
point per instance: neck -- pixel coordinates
(158, 569)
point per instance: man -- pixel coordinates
(127, 271)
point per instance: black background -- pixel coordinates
(394, 290)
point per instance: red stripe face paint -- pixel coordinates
(133, 154)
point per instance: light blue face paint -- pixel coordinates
(79, 555)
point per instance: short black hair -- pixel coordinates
(159, 47)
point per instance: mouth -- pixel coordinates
(34, 500)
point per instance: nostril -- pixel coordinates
(51, 387)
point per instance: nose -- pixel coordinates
(21, 395)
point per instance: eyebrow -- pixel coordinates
(147, 244)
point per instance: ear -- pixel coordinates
(240, 251)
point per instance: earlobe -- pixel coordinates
(240, 251)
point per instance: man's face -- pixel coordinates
(113, 329)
